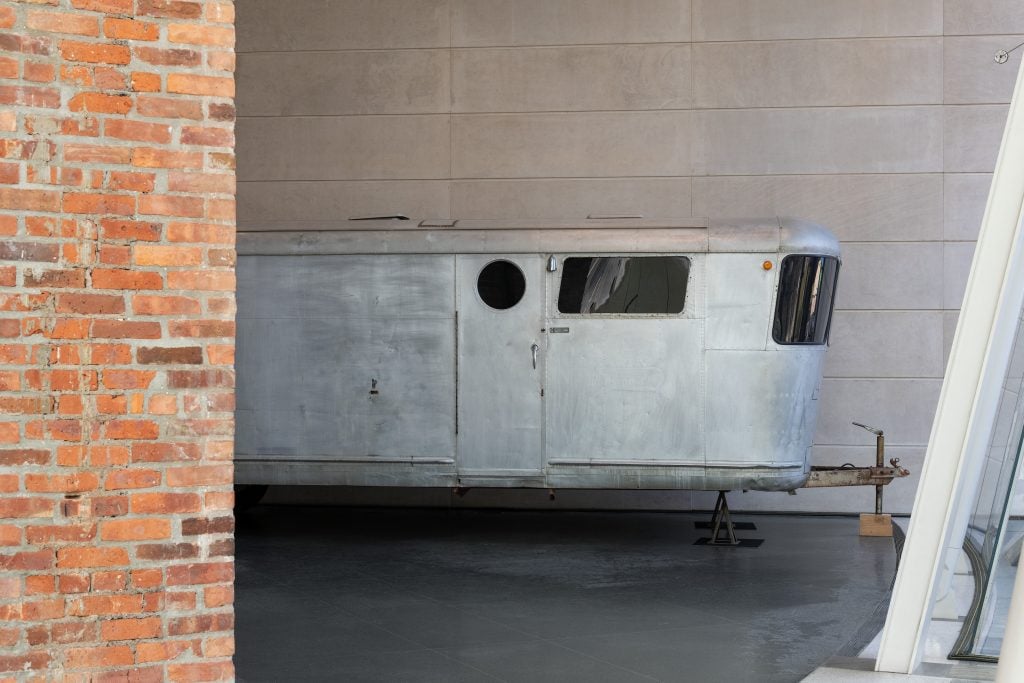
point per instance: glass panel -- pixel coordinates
(501, 284)
(806, 290)
(621, 284)
(995, 529)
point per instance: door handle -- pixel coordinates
(534, 349)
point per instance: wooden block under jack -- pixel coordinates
(875, 525)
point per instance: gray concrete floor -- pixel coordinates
(345, 594)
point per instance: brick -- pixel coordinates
(110, 506)
(164, 57)
(94, 53)
(187, 355)
(124, 329)
(109, 78)
(190, 84)
(211, 137)
(38, 560)
(172, 9)
(109, 581)
(205, 183)
(32, 661)
(39, 72)
(29, 200)
(138, 130)
(171, 205)
(220, 111)
(29, 251)
(63, 22)
(165, 452)
(165, 503)
(129, 29)
(101, 103)
(200, 379)
(8, 67)
(149, 157)
(162, 651)
(74, 583)
(110, 354)
(112, 405)
(195, 34)
(18, 508)
(164, 305)
(69, 328)
(135, 182)
(132, 429)
(144, 529)
(61, 483)
(146, 82)
(167, 551)
(96, 154)
(126, 279)
(43, 610)
(200, 475)
(131, 629)
(220, 60)
(196, 526)
(90, 303)
(127, 379)
(10, 174)
(67, 533)
(204, 233)
(116, 229)
(168, 108)
(7, 17)
(132, 479)
(99, 605)
(99, 657)
(106, 6)
(201, 280)
(9, 432)
(159, 255)
(74, 632)
(30, 45)
(91, 557)
(100, 204)
(25, 96)
(204, 623)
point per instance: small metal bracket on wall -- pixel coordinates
(1004, 55)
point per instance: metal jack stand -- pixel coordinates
(877, 524)
(721, 523)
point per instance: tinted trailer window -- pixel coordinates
(624, 285)
(807, 288)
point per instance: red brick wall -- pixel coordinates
(116, 339)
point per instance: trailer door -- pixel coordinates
(625, 361)
(500, 303)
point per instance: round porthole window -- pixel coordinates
(501, 284)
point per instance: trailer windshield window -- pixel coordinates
(624, 284)
(807, 286)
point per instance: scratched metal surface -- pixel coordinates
(314, 336)
(500, 404)
(702, 400)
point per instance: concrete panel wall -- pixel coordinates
(879, 119)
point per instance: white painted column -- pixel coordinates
(967, 404)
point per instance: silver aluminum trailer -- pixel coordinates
(614, 353)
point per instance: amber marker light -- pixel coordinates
(767, 265)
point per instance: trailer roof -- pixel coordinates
(611, 234)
